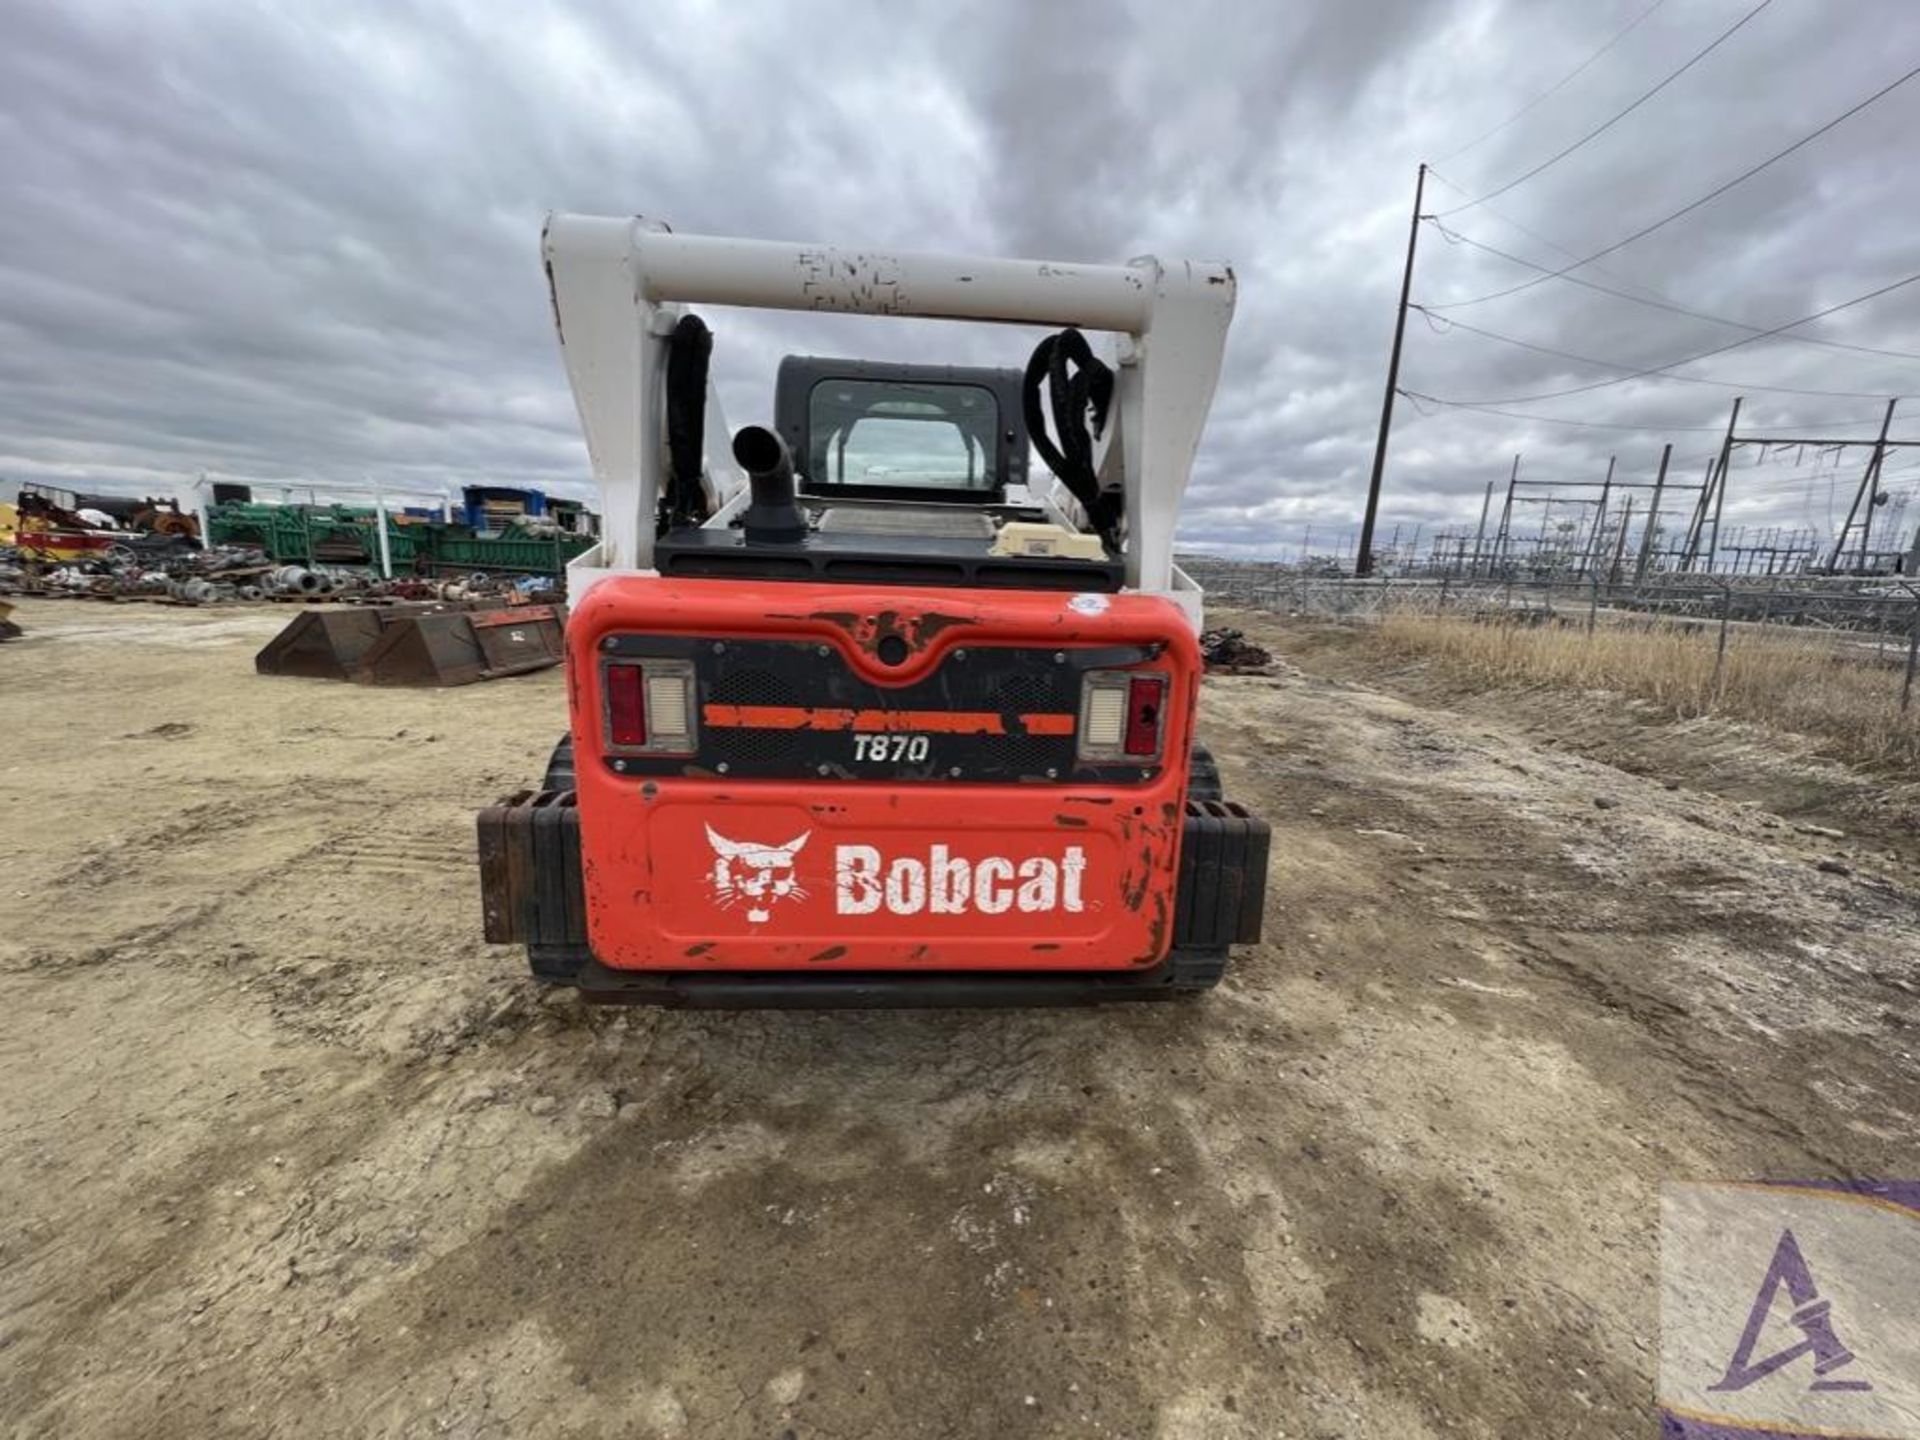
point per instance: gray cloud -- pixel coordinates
(301, 244)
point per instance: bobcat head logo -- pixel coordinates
(758, 875)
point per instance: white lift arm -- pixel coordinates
(617, 288)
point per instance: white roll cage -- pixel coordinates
(618, 285)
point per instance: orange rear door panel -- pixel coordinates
(686, 868)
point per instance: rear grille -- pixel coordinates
(746, 750)
(1026, 695)
(750, 687)
(741, 748)
(1022, 694)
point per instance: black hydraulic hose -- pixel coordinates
(689, 351)
(1077, 382)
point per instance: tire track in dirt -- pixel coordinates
(1624, 939)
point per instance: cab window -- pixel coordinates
(871, 433)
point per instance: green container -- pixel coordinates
(519, 555)
(345, 535)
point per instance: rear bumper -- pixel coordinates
(533, 895)
(1179, 974)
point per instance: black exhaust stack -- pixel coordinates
(774, 517)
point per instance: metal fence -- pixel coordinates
(1872, 622)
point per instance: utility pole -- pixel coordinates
(1720, 495)
(1653, 517)
(1479, 535)
(1363, 561)
(1504, 539)
(1599, 519)
(1620, 545)
(1713, 493)
(1699, 512)
(1870, 486)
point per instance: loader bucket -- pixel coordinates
(321, 644)
(459, 647)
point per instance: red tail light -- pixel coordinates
(1146, 697)
(1123, 716)
(626, 706)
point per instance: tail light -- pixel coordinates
(1122, 715)
(626, 707)
(1146, 695)
(669, 708)
(649, 706)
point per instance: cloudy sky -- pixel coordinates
(300, 241)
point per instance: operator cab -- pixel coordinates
(915, 434)
(906, 474)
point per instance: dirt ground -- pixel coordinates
(286, 1150)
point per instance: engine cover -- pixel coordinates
(882, 857)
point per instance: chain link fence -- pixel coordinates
(1872, 623)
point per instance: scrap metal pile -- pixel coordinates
(63, 543)
(120, 572)
(238, 572)
(1230, 652)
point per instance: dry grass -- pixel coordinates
(1831, 688)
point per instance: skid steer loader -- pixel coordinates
(863, 712)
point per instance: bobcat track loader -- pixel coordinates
(863, 712)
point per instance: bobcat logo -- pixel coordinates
(756, 874)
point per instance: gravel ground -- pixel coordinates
(286, 1150)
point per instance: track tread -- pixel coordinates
(1203, 775)
(560, 771)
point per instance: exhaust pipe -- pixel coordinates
(774, 517)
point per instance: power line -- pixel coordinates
(1659, 302)
(1704, 354)
(1419, 398)
(1559, 85)
(1658, 373)
(1547, 240)
(1619, 115)
(1693, 205)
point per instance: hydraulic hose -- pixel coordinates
(689, 350)
(1079, 386)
